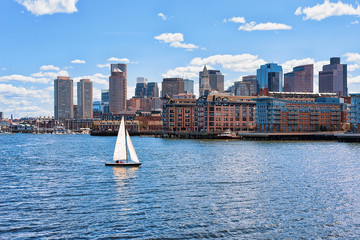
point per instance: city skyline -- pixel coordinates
(164, 40)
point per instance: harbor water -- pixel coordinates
(57, 187)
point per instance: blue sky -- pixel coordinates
(41, 39)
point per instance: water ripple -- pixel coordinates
(57, 187)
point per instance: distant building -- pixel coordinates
(152, 90)
(252, 83)
(300, 79)
(204, 82)
(63, 98)
(286, 115)
(97, 108)
(1, 115)
(146, 90)
(141, 80)
(140, 89)
(355, 112)
(85, 99)
(105, 101)
(188, 86)
(172, 86)
(216, 79)
(219, 112)
(333, 78)
(75, 110)
(270, 76)
(117, 88)
(246, 87)
(210, 80)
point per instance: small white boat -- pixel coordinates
(120, 157)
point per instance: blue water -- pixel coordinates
(57, 187)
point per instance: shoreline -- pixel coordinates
(242, 136)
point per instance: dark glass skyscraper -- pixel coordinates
(172, 86)
(188, 86)
(300, 79)
(270, 76)
(333, 78)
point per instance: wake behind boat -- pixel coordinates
(120, 157)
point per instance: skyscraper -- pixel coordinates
(216, 80)
(152, 90)
(140, 89)
(252, 84)
(172, 86)
(210, 80)
(105, 101)
(300, 79)
(270, 76)
(85, 99)
(204, 82)
(246, 87)
(333, 78)
(117, 88)
(63, 98)
(188, 86)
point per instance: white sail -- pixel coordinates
(133, 155)
(120, 147)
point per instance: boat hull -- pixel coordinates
(123, 164)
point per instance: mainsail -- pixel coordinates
(120, 147)
(133, 155)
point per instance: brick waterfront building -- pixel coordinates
(354, 117)
(178, 114)
(300, 115)
(220, 112)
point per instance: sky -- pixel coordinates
(43, 39)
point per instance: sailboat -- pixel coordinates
(120, 157)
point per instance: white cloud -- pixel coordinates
(298, 11)
(41, 7)
(289, 65)
(253, 26)
(114, 59)
(238, 63)
(352, 57)
(355, 22)
(130, 91)
(235, 20)
(170, 37)
(51, 75)
(49, 68)
(163, 16)
(106, 65)
(183, 45)
(353, 67)
(98, 78)
(354, 79)
(8, 89)
(328, 9)
(78, 61)
(184, 72)
(22, 78)
(175, 40)
(3, 69)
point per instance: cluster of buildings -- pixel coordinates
(269, 101)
